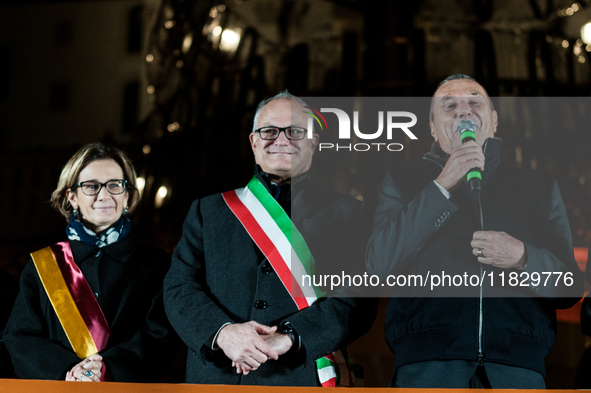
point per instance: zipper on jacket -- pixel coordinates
(480, 356)
(480, 310)
(480, 305)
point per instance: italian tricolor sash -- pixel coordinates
(279, 240)
(72, 299)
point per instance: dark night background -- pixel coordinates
(166, 81)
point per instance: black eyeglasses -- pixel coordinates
(92, 187)
(272, 133)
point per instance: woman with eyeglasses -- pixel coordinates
(90, 308)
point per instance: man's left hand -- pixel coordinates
(280, 342)
(498, 249)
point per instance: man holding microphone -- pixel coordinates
(429, 219)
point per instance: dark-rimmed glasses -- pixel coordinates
(93, 187)
(272, 133)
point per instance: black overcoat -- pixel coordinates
(218, 275)
(126, 277)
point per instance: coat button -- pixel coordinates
(96, 295)
(260, 304)
(266, 268)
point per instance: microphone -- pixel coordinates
(467, 131)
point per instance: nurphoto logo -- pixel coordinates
(394, 120)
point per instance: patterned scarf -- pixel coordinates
(77, 231)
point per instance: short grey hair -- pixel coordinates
(284, 95)
(453, 78)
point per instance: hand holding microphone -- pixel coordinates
(463, 160)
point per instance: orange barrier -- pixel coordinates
(28, 386)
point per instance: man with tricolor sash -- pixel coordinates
(234, 292)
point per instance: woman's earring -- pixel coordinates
(125, 210)
(75, 214)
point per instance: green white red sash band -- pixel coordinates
(274, 233)
(326, 371)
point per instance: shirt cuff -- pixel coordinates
(443, 190)
(213, 346)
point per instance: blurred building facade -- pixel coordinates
(72, 72)
(180, 79)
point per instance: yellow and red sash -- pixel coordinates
(286, 250)
(72, 299)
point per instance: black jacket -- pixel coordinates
(219, 275)
(417, 229)
(126, 278)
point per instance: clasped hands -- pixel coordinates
(88, 370)
(251, 344)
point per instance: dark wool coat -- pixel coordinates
(126, 277)
(218, 275)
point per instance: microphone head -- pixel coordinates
(467, 130)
